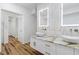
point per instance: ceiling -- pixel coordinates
(27, 5)
(33, 5)
(70, 5)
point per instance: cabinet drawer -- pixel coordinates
(76, 51)
(40, 46)
(49, 48)
(63, 50)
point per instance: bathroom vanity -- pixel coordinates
(57, 26)
(52, 47)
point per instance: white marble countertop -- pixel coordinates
(67, 44)
(60, 41)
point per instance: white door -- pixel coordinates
(20, 29)
(13, 26)
(17, 27)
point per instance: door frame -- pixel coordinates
(20, 38)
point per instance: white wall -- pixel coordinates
(54, 18)
(29, 24)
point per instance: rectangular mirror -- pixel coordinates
(44, 17)
(70, 14)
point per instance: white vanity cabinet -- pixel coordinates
(49, 48)
(63, 50)
(33, 43)
(42, 46)
(76, 52)
(37, 44)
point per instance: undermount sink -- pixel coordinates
(72, 39)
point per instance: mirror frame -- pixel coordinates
(47, 17)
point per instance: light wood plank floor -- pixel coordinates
(14, 47)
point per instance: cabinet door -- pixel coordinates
(33, 43)
(76, 51)
(40, 46)
(63, 50)
(49, 48)
(37, 44)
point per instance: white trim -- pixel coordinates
(47, 17)
(61, 14)
(11, 11)
(0, 30)
(39, 18)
